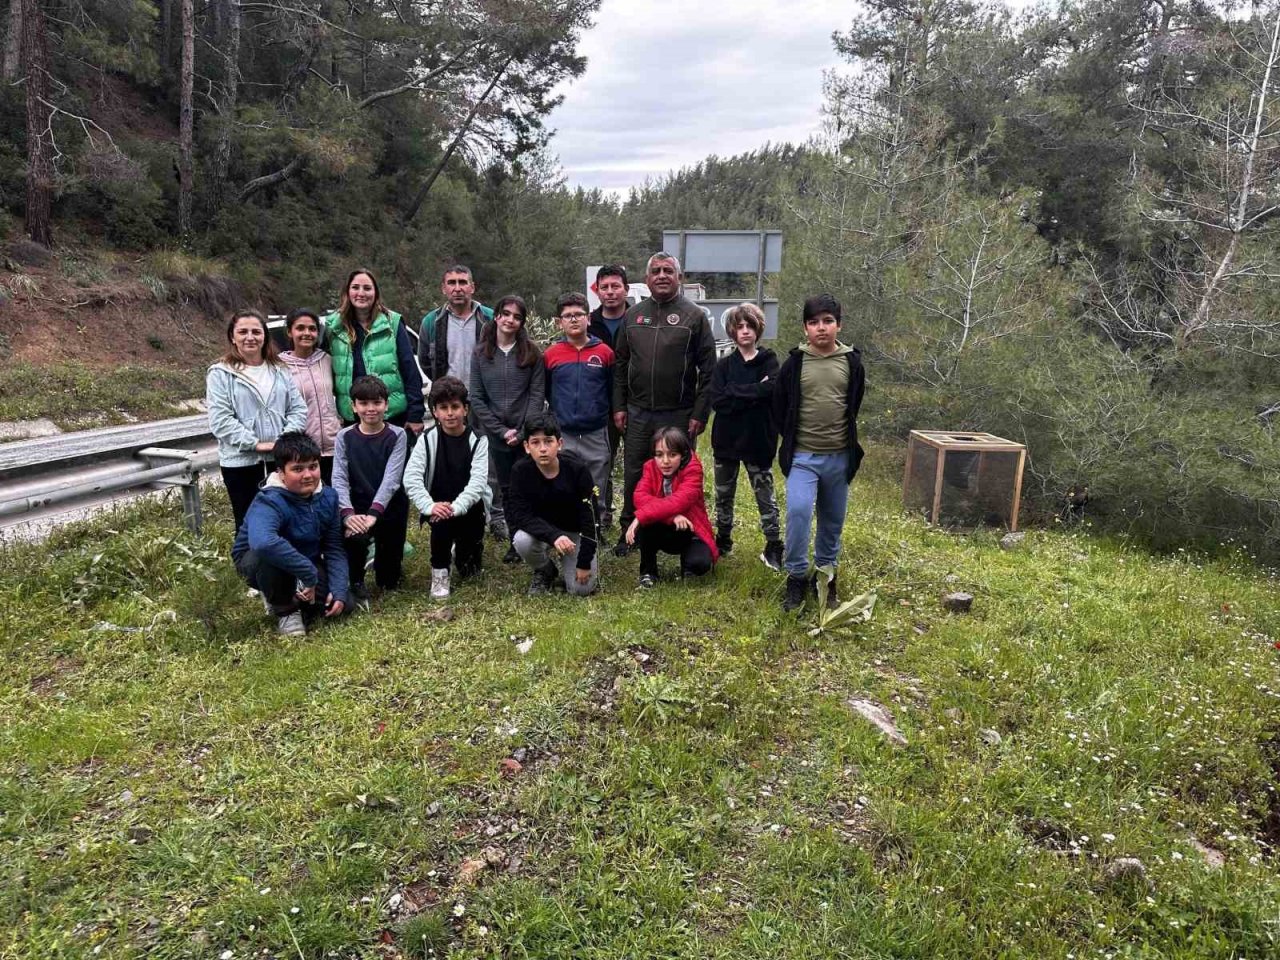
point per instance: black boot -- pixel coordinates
(796, 589)
(724, 541)
(772, 555)
(542, 580)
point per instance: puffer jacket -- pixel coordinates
(314, 377)
(240, 419)
(296, 534)
(503, 394)
(686, 498)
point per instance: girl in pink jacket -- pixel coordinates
(312, 371)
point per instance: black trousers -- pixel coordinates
(387, 536)
(458, 538)
(639, 438)
(695, 556)
(242, 485)
(280, 586)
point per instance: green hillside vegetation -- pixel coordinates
(690, 780)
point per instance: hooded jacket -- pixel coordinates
(742, 397)
(786, 406)
(433, 339)
(686, 498)
(240, 418)
(314, 377)
(665, 355)
(296, 533)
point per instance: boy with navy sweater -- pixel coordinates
(368, 464)
(290, 544)
(580, 387)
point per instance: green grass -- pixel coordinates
(194, 785)
(63, 392)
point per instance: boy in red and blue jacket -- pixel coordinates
(580, 387)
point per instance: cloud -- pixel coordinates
(664, 89)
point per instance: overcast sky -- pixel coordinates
(668, 83)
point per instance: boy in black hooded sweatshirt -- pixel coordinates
(743, 430)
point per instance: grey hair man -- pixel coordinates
(665, 356)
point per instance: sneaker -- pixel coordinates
(359, 593)
(542, 581)
(291, 625)
(621, 548)
(724, 542)
(772, 556)
(498, 530)
(512, 555)
(647, 581)
(796, 589)
(439, 583)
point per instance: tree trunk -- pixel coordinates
(13, 42)
(1238, 220)
(227, 106)
(166, 37)
(35, 58)
(185, 122)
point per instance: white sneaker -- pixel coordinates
(291, 625)
(266, 605)
(439, 583)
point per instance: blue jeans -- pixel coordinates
(816, 480)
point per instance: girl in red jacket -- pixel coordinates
(670, 513)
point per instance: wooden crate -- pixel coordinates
(964, 478)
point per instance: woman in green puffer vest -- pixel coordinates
(367, 338)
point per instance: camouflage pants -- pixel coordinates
(761, 479)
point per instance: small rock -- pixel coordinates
(433, 808)
(954, 714)
(524, 646)
(1012, 541)
(28, 253)
(991, 737)
(510, 767)
(443, 615)
(876, 715)
(1126, 870)
(1214, 859)
(126, 798)
(958, 602)
(140, 834)
(951, 578)
(519, 754)
(28, 429)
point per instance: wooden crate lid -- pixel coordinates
(966, 440)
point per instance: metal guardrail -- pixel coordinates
(49, 474)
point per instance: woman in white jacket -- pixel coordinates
(252, 399)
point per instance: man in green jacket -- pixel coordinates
(665, 354)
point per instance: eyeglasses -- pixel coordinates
(573, 316)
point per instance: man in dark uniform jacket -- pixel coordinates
(665, 355)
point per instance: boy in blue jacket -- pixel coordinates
(580, 389)
(290, 544)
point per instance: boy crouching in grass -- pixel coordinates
(290, 545)
(552, 510)
(815, 407)
(448, 481)
(368, 462)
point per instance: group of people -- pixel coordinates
(323, 447)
